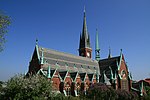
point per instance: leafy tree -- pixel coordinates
(21, 88)
(4, 23)
(125, 95)
(147, 96)
(1, 83)
(100, 91)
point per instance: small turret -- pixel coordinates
(97, 49)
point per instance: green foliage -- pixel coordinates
(101, 91)
(33, 87)
(147, 96)
(4, 23)
(1, 83)
(125, 95)
(61, 96)
(39, 88)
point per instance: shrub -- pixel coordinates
(100, 91)
(33, 87)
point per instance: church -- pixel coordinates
(71, 74)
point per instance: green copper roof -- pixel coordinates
(42, 58)
(97, 49)
(49, 72)
(97, 41)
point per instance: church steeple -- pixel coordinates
(84, 46)
(97, 49)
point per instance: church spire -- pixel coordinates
(84, 45)
(85, 39)
(97, 49)
(84, 30)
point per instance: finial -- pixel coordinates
(84, 11)
(36, 41)
(84, 8)
(42, 57)
(96, 30)
(49, 72)
(97, 49)
(121, 50)
(109, 56)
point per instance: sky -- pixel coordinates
(57, 24)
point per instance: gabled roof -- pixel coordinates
(63, 74)
(67, 62)
(91, 77)
(108, 65)
(82, 76)
(73, 75)
(52, 73)
(44, 71)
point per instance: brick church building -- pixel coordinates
(71, 74)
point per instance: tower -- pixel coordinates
(97, 49)
(85, 49)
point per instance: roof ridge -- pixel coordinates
(110, 58)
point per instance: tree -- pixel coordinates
(1, 83)
(100, 91)
(147, 96)
(21, 88)
(4, 23)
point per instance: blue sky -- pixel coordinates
(122, 24)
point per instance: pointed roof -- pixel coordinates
(82, 76)
(97, 41)
(73, 75)
(97, 49)
(109, 66)
(84, 30)
(63, 74)
(84, 38)
(91, 77)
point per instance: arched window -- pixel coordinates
(86, 87)
(123, 74)
(68, 92)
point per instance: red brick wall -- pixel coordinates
(56, 81)
(125, 76)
